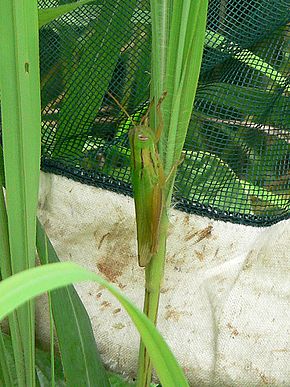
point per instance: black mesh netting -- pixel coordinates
(237, 162)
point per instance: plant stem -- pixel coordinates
(20, 110)
(153, 279)
(178, 29)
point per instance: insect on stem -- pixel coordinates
(148, 181)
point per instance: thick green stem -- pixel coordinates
(178, 29)
(153, 280)
(21, 123)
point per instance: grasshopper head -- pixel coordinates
(141, 137)
(143, 147)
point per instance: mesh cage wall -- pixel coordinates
(237, 153)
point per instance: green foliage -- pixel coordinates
(43, 370)
(178, 38)
(178, 30)
(47, 15)
(101, 57)
(137, 62)
(20, 109)
(19, 288)
(225, 46)
(18, 239)
(80, 358)
(241, 103)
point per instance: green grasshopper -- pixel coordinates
(148, 182)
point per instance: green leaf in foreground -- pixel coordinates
(80, 357)
(21, 123)
(42, 367)
(43, 370)
(16, 290)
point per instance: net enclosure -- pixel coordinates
(237, 151)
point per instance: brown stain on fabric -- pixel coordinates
(205, 233)
(189, 236)
(119, 326)
(186, 220)
(200, 234)
(200, 256)
(172, 314)
(234, 331)
(110, 272)
(105, 304)
(115, 249)
(102, 239)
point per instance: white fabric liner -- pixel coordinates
(225, 302)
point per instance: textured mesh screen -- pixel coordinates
(237, 152)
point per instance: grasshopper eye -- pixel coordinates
(142, 137)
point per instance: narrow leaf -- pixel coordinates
(7, 369)
(20, 108)
(42, 366)
(81, 360)
(23, 286)
(98, 60)
(46, 15)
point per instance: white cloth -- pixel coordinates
(225, 302)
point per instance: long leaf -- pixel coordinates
(88, 81)
(5, 271)
(187, 38)
(7, 369)
(23, 286)
(71, 320)
(47, 15)
(178, 28)
(81, 360)
(247, 101)
(20, 105)
(225, 46)
(42, 367)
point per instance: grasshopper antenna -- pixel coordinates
(121, 107)
(145, 118)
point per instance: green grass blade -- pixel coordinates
(81, 360)
(95, 68)
(43, 372)
(21, 287)
(47, 15)
(20, 124)
(178, 29)
(224, 45)
(5, 271)
(20, 104)
(6, 364)
(160, 19)
(185, 47)
(71, 320)
(42, 367)
(247, 101)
